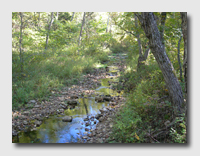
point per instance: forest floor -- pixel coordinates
(32, 114)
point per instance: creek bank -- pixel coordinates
(97, 127)
(32, 115)
(101, 134)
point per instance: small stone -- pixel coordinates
(26, 113)
(64, 93)
(32, 101)
(87, 124)
(38, 123)
(25, 122)
(37, 106)
(86, 119)
(72, 102)
(67, 119)
(86, 129)
(85, 137)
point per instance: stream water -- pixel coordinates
(54, 130)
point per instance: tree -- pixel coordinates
(149, 25)
(81, 29)
(179, 60)
(142, 57)
(107, 24)
(47, 37)
(184, 31)
(72, 16)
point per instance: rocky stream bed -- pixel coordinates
(82, 113)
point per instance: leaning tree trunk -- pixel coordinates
(47, 37)
(179, 60)
(149, 25)
(163, 19)
(184, 30)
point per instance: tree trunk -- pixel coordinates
(138, 38)
(79, 40)
(149, 25)
(184, 31)
(47, 37)
(107, 24)
(38, 20)
(163, 19)
(73, 16)
(179, 61)
(20, 43)
(142, 58)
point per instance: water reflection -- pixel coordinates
(54, 130)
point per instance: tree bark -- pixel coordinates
(47, 37)
(138, 38)
(149, 25)
(142, 57)
(163, 19)
(184, 31)
(179, 61)
(79, 40)
(73, 16)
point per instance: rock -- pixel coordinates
(87, 129)
(74, 97)
(87, 124)
(25, 122)
(61, 110)
(103, 110)
(107, 98)
(64, 93)
(67, 119)
(37, 106)
(98, 116)
(26, 113)
(86, 119)
(14, 133)
(99, 99)
(32, 101)
(85, 137)
(101, 119)
(111, 125)
(72, 102)
(99, 140)
(38, 123)
(22, 117)
(64, 106)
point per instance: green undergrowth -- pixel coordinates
(147, 109)
(50, 70)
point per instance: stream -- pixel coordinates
(54, 130)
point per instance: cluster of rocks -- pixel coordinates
(104, 124)
(34, 112)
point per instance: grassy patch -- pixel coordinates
(148, 109)
(49, 70)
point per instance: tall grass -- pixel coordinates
(48, 70)
(143, 111)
